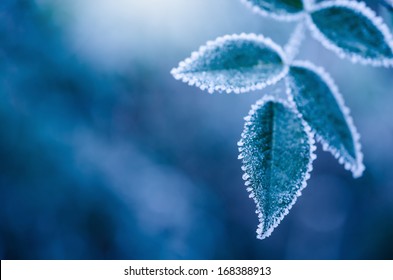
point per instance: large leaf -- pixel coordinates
(278, 9)
(352, 30)
(322, 106)
(237, 63)
(277, 151)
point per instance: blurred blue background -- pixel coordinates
(103, 155)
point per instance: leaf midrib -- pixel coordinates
(272, 129)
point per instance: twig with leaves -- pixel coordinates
(277, 145)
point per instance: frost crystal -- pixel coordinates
(388, 4)
(236, 63)
(277, 150)
(352, 30)
(318, 100)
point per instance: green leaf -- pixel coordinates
(352, 30)
(322, 106)
(277, 152)
(278, 9)
(237, 63)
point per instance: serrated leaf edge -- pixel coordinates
(362, 8)
(285, 17)
(358, 169)
(178, 75)
(388, 4)
(261, 232)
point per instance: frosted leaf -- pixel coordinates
(236, 63)
(278, 9)
(389, 6)
(322, 106)
(277, 150)
(352, 30)
(291, 49)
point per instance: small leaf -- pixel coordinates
(322, 106)
(352, 30)
(277, 9)
(277, 151)
(237, 63)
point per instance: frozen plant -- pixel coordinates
(278, 142)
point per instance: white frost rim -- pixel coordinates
(179, 75)
(358, 169)
(262, 232)
(308, 4)
(389, 3)
(282, 17)
(362, 9)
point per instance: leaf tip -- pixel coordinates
(358, 172)
(351, 159)
(261, 234)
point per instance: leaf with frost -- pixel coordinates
(277, 151)
(322, 106)
(236, 63)
(277, 9)
(352, 30)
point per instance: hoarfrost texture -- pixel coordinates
(292, 48)
(277, 144)
(388, 4)
(236, 63)
(286, 10)
(352, 30)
